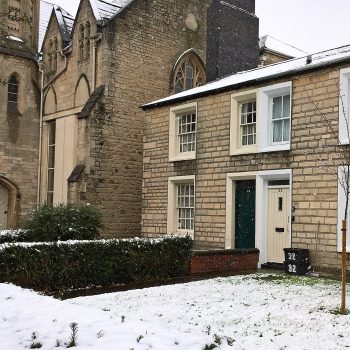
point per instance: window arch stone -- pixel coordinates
(188, 72)
(82, 91)
(50, 102)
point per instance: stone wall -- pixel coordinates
(136, 54)
(19, 133)
(314, 187)
(139, 51)
(267, 57)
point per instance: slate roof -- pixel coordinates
(64, 19)
(76, 173)
(91, 102)
(247, 78)
(270, 43)
(104, 10)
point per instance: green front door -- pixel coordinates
(245, 214)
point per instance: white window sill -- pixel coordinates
(183, 156)
(275, 148)
(184, 233)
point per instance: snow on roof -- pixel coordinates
(65, 21)
(45, 14)
(14, 38)
(106, 9)
(292, 66)
(273, 44)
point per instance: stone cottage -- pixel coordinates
(249, 161)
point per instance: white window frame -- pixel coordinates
(172, 216)
(265, 97)
(246, 124)
(237, 100)
(174, 150)
(344, 101)
(341, 208)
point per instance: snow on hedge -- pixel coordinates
(75, 242)
(13, 233)
(259, 311)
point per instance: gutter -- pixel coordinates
(293, 72)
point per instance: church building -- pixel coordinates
(72, 127)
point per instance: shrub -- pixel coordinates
(62, 265)
(8, 236)
(63, 222)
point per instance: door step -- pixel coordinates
(273, 266)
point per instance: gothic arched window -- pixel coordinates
(81, 42)
(189, 73)
(54, 54)
(50, 58)
(87, 39)
(12, 94)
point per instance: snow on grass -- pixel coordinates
(258, 311)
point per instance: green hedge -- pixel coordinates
(8, 236)
(79, 264)
(63, 222)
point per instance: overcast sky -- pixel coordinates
(311, 25)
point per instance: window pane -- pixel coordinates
(12, 94)
(51, 162)
(50, 179)
(277, 130)
(49, 198)
(187, 132)
(277, 107)
(248, 123)
(286, 130)
(52, 133)
(286, 106)
(189, 75)
(185, 206)
(13, 88)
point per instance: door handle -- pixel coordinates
(279, 229)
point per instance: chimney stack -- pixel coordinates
(232, 38)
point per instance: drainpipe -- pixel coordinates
(61, 71)
(40, 131)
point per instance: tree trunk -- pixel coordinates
(343, 269)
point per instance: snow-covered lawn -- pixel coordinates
(242, 312)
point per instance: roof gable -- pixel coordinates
(270, 43)
(104, 10)
(64, 21)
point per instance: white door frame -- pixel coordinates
(262, 178)
(262, 209)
